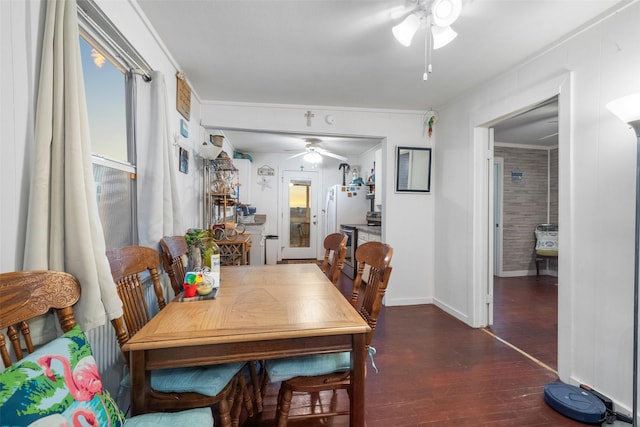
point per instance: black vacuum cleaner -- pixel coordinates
(582, 404)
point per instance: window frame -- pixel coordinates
(98, 39)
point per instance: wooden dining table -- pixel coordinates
(260, 312)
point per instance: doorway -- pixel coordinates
(524, 193)
(300, 214)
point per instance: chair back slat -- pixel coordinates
(127, 265)
(173, 250)
(25, 295)
(335, 252)
(367, 296)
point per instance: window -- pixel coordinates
(113, 156)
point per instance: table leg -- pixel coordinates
(140, 382)
(356, 412)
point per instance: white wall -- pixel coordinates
(408, 218)
(596, 196)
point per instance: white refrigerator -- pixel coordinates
(345, 204)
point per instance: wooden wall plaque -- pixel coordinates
(183, 96)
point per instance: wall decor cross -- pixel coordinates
(309, 115)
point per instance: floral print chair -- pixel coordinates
(59, 383)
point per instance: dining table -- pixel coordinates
(259, 313)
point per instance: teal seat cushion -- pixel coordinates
(307, 366)
(207, 380)
(192, 417)
(58, 384)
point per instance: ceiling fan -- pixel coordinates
(313, 152)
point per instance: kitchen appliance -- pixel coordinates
(349, 267)
(345, 204)
(374, 218)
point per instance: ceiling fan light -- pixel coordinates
(313, 157)
(404, 31)
(445, 12)
(442, 36)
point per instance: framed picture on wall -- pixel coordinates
(183, 164)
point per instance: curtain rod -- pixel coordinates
(99, 22)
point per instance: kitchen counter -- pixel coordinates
(258, 219)
(256, 230)
(373, 229)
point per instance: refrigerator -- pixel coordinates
(345, 204)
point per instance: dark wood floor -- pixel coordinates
(436, 371)
(526, 315)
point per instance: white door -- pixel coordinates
(299, 214)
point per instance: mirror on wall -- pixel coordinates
(413, 169)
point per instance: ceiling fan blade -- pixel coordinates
(335, 156)
(297, 155)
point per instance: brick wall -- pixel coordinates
(525, 202)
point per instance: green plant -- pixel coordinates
(196, 237)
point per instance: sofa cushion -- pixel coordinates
(58, 383)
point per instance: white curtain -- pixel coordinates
(63, 226)
(158, 200)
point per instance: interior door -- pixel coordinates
(299, 214)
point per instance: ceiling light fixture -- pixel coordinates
(313, 157)
(436, 16)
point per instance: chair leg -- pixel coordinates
(225, 409)
(246, 396)
(240, 397)
(236, 408)
(255, 382)
(264, 383)
(284, 399)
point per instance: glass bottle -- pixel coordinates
(212, 258)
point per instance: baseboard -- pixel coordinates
(392, 302)
(617, 406)
(452, 311)
(522, 273)
(516, 273)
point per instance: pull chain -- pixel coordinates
(425, 76)
(427, 51)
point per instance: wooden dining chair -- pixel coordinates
(316, 373)
(25, 295)
(65, 364)
(172, 389)
(174, 250)
(335, 251)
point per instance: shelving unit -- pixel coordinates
(219, 195)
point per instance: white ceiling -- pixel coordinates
(342, 52)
